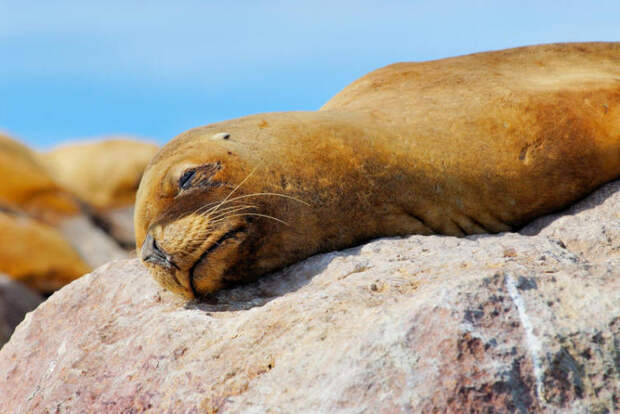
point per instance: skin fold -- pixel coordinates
(481, 143)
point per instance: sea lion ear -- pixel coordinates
(220, 136)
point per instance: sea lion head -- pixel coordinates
(226, 203)
(193, 214)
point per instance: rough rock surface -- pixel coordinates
(15, 300)
(516, 322)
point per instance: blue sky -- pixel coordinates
(79, 69)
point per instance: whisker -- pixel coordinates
(234, 207)
(214, 206)
(218, 220)
(237, 187)
(199, 208)
(260, 215)
(232, 192)
(222, 214)
(270, 194)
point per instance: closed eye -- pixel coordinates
(200, 176)
(186, 179)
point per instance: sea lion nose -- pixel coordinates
(152, 253)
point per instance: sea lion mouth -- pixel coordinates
(228, 235)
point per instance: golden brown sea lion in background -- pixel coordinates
(472, 144)
(37, 254)
(104, 173)
(45, 232)
(26, 185)
(31, 250)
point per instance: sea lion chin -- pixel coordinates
(476, 144)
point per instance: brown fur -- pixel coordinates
(26, 185)
(36, 254)
(103, 173)
(473, 144)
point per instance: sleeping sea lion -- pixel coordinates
(481, 143)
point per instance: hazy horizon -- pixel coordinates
(75, 70)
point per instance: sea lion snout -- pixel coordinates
(192, 255)
(163, 267)
(152, 253)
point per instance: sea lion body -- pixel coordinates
(37, 254)
(104, 173)
(466, 145)
(26, 184)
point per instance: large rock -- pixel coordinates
(495, 323)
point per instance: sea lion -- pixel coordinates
(36, 254)
(29, 192)
(104, 173)
(26, 185)
(472, 144)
